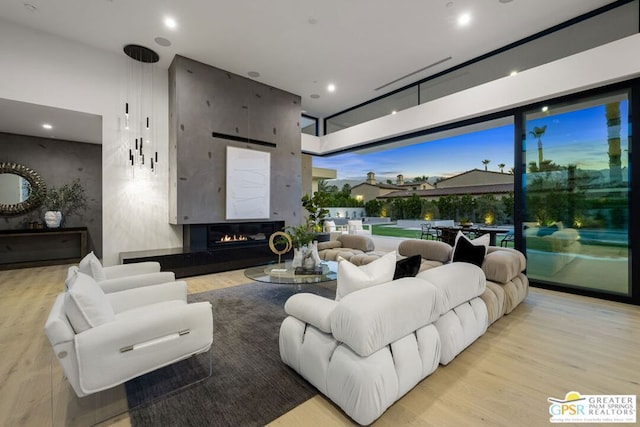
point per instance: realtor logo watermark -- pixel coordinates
(596, 408)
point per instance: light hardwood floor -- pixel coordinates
(551, 344)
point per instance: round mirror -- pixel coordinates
(21, 189)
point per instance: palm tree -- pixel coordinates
(485, 163)
(501, 166)
(323, 186)
(613, 137)
(537, 133)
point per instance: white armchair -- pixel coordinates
(333, 229)
(102, 340)
(357, 227)
(120, 277)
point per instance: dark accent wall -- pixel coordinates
(210, 109)
(59, 162)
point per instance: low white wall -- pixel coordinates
(416, 223)
(347, 213)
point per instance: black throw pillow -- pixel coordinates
(468, 252)
(407, 267)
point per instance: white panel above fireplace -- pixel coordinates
(248, 184)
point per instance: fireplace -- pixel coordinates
(241, 233)
(211, 248)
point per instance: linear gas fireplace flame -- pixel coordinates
(232, 234)
(234, 238)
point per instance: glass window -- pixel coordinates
(577, 191)
(309, 125)
(390, 104)
(613, 24)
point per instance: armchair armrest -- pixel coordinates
(139, 297)
(133, 269)
(312, 309)
(123, 283)
(133, 345)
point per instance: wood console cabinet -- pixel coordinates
(34, 248)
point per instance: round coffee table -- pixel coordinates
(285, 274)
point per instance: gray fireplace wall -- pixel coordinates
(59, 162)
(210, 109)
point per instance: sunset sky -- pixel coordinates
(578, 136)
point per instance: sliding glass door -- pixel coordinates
(576, 185)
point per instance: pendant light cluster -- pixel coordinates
(138, 125)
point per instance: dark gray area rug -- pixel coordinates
(249, 386)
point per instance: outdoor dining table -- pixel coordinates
(476, 230)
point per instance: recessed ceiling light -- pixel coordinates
(253, 74)
(394, 112)
(464, 19)
(47, 126)
(513, 73)
(169, 22)
(162, 41)
(505, 1)
(331, 87)
(545, 109)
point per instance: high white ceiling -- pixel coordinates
(299, 45)
(22, 118)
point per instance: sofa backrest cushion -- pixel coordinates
(457, 283)
(428, 249)
(352, 278)
(357, 241)
(86, 305)
(91, 266)
(374, 317)
(407, 267)
(501, 266)
(331, 244)
(522, 260)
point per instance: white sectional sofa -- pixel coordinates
(507, 284)
(371, 347)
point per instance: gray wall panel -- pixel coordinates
(205, 100)
(59, 162)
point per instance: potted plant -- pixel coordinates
(300, 235)
(466, 222)
(63, 201)
(316, 212)
(304, 253)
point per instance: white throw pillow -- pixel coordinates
(86, 305)
(480, 241)
(91, 266)
(352, 278)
